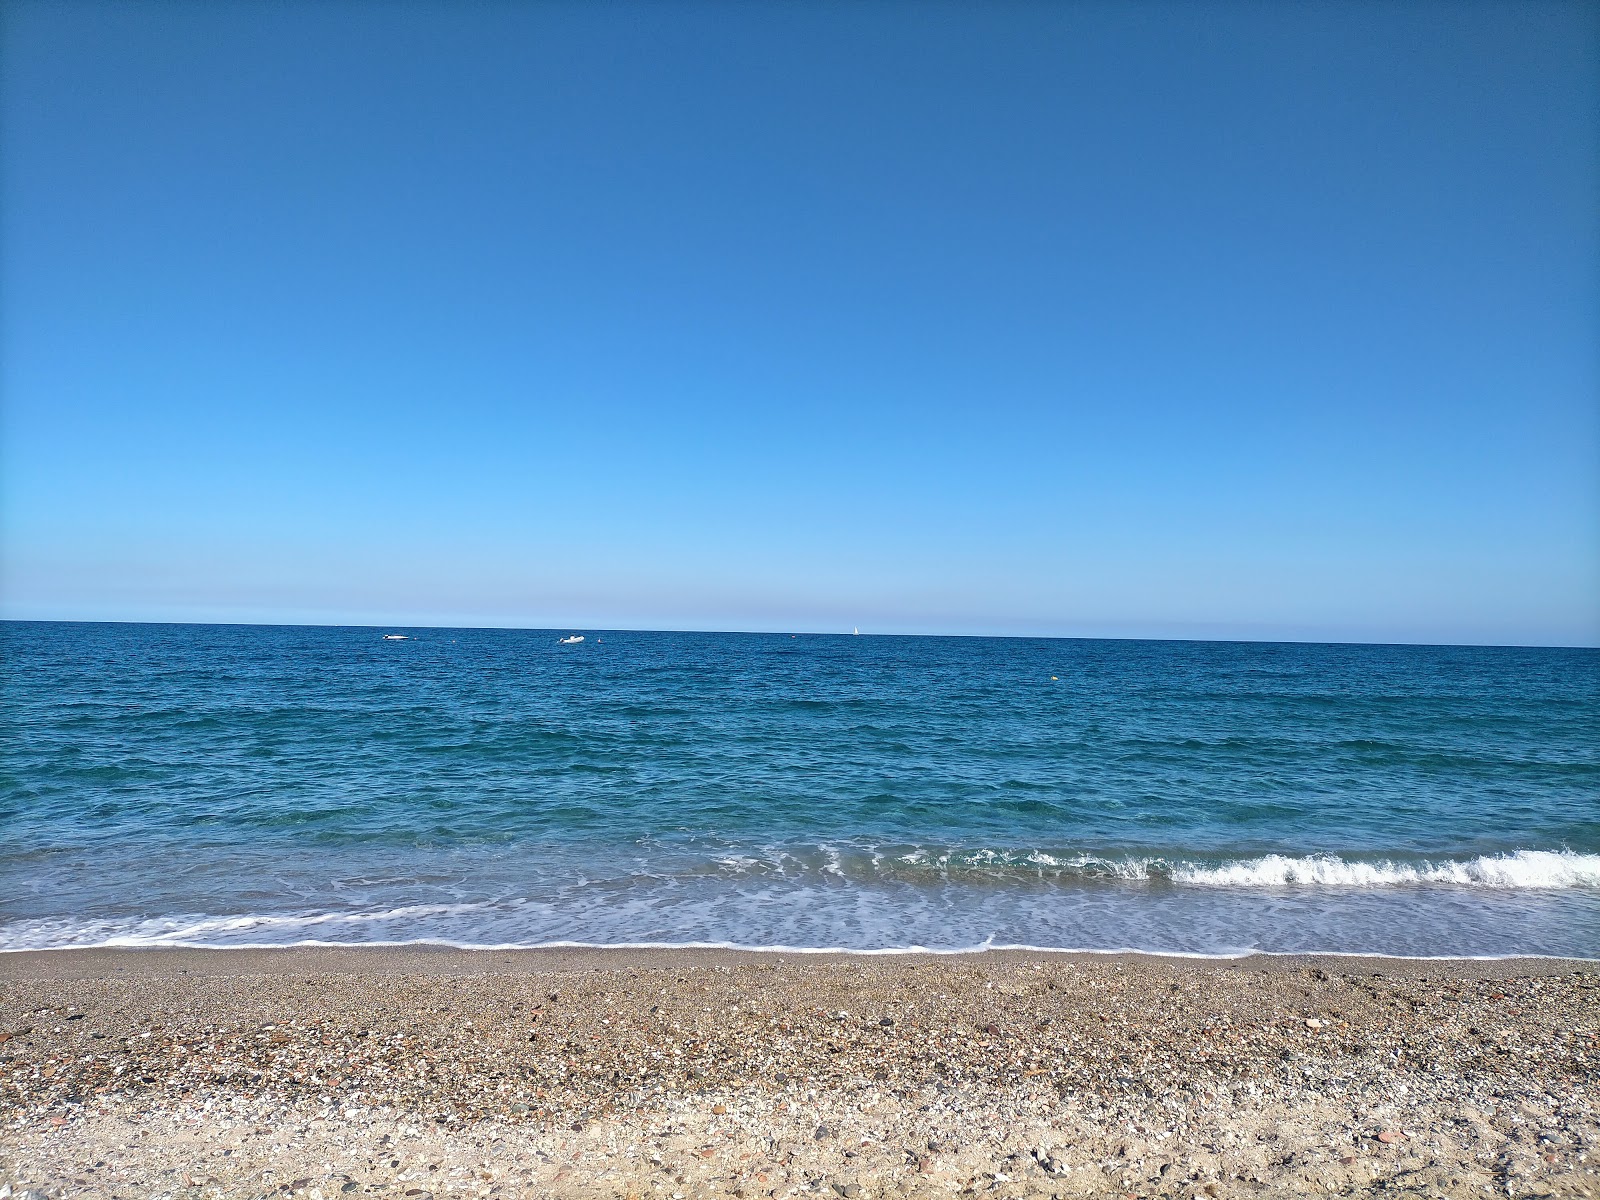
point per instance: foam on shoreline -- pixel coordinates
(1487, 907)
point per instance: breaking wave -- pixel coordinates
(1518, 902)
(1518, 869)
(1542, 869)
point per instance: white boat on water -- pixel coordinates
(573, 640)
(396, 637)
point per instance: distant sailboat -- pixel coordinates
(858, 631)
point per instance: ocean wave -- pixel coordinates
(984, 947)
(1541, 869)
(202, 930)
(1042, 863)
(834, 898)
(1536, 869)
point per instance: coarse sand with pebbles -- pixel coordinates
(427, 1073)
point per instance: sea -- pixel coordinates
(235, 785)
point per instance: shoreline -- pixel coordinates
(83, 962)
(427, 1071)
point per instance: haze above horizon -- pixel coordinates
(1234, 320)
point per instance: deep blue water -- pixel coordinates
(229, 785)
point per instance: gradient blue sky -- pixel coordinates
(1267, 320)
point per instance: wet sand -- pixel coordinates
(421, 1072)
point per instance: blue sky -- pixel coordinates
(1174, 320)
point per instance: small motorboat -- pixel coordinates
(396, 637)
(573, 640)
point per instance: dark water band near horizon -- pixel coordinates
(214, 785)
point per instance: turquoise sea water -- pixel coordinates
(243, 785)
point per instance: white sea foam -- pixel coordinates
(1532, 869)
(985, 947)
(1542, 869)
(202, 930)
(1041, 863)
(1517, 902)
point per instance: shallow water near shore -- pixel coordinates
(239, 785)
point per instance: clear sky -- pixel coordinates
(1270, 320)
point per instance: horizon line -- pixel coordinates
(1058, 637)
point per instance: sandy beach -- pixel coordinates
(430, 1073)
